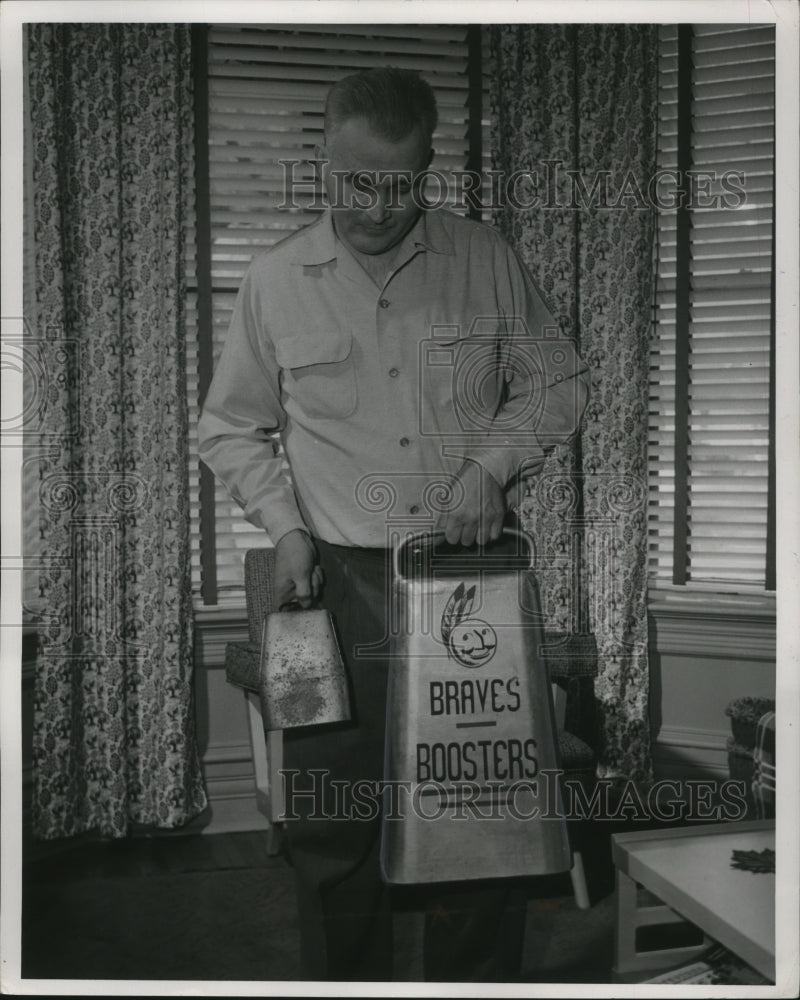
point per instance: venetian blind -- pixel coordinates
(266, 92)
(727, 377)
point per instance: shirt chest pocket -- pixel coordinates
(318, 373)
(463, 377)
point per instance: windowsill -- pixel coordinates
(216, 626)
(208, 614)
(709, 603)
(704, 623)
(659, 599)
(683, 622)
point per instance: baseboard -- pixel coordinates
(230, 786)
(686, 752)
(232, 812)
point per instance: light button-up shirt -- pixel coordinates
(380, 394)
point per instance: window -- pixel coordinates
(711, 497)
(260, 97)
(711, 466)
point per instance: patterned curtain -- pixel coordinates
(112, 142)
(574, 123)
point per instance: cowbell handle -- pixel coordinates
(433, 537)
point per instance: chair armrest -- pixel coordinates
(567, 656)
(243, 665)
(570, 655)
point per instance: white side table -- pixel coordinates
(689, 870)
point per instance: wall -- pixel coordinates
(702, 656)
(222, 729)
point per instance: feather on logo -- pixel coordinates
(470, 641)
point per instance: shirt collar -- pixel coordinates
(429, 233)
(322, 245)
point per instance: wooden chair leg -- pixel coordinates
(559, 703)
(267, 763)
(578, 877)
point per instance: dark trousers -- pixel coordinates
(473, 931)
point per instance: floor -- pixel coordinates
(218, 907)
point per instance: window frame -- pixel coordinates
(701, 596)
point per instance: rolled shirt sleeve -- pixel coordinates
(241, 417)
(546, 384)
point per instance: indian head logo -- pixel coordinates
(470, 641)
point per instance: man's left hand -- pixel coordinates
(480, 513)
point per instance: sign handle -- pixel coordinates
(429, 539)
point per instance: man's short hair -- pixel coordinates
(393, 101)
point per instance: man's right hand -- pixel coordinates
(298, 575)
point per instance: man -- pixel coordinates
(394, 348)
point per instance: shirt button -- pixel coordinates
(404, 442)
(413, 509)
(393, 372)
(384, 303)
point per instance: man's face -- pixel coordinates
(369, 182)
